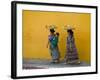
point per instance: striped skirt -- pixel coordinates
(71, 54)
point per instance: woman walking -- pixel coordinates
(53, 45)
(71, 53)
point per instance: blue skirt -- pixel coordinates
(54, 53)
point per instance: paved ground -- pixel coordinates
(42, 64)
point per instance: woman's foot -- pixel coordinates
(78, 62)
(56, 61)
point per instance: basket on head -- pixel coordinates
(50, 27)
(69, 27)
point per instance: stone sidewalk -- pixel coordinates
(44, 64)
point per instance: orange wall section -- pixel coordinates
(35, 35)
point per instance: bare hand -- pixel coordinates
(47, 46)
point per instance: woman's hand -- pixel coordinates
(47, 46)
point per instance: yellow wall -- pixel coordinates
(35, 36)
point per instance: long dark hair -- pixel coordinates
(71, 32)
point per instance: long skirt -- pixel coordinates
(72, 54)
(55, 53)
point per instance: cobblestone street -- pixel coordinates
(44, 64)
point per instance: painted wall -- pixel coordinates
(35, 35)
